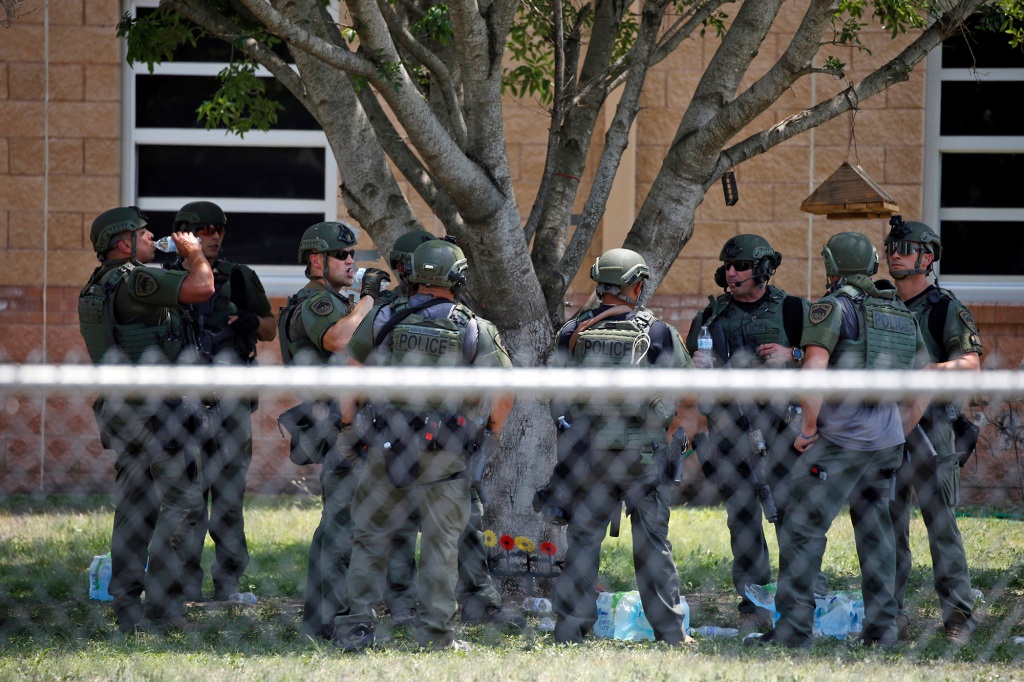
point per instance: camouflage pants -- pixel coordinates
(379, 509)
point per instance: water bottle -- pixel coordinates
(715, 631)
(706, 347)
(686, 613)
(547, 624)
(166, 244)
(246, 598)
(537, 604)
(99, 578)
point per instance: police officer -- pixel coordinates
(480, 599)
(228, 325)
(314, 327)
(847, 447)
(912, 248)
(620, 455)
(753, 324)
(132, 314)
(418, 461)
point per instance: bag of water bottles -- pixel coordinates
(836, 614)
(99, 578)
(620, 615)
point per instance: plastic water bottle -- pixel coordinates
(166, 244)
(686, 613)
(537, 604)
(706, 347)
(547, 624)
(246, 598)
(715, 631)
(99, 578)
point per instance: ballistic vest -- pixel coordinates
(296, 332)
(743, 332)
(888, 333)
(433, 342)
(102, 332)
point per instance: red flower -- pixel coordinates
(507, 542)
(548, 548)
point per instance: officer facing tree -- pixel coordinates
(314, 327)
(620, 453)
(418, 461)
(228, 325)
(847, 446)
(953, 342)
(753, 324)
(133, 314)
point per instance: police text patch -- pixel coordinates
(818, 312)
(968, 319)
(322, 306)
(145, 283)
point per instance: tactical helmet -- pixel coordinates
(196, 213)
(326, 237)
(619, 267)
(849, 253)
(438, 263)
(905, 236)
(401, 252)
(111, 223)
(763, 259)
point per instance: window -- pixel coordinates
(974, 162)
(271, 185)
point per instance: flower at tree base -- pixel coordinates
(507, 543)
(548, 548)
(525, 544)
(490, 539)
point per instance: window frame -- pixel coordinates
(975, 288)
(278, 280)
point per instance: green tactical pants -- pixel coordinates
(475, 582)
(814, 502)
(158, 495)
(937, 484)
(379, 509)
(575, 596)
(226, 458)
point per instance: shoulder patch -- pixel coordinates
(968, 319)
(145, 284)
(818, 312)
(322, 306)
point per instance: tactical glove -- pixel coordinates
(374, 280)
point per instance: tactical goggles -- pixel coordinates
(210, 229)
(902, 248)
(740, 265)
(343, 254)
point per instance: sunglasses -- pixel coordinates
(344, 254)
(740, 265)
(902, 248)
(210, 229)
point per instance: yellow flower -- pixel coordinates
(525, 544)
(490, 539)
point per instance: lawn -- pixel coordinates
(50, 629)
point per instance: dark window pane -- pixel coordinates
(172, 101)
(251, 238)
(253, 172)
(987, 108)
(981, 49)
(983, 180)
(211, 49)
(982, 248)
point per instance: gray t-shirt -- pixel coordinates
(853, 424)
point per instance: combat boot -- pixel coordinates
(356, 638)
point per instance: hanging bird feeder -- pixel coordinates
(850, 194)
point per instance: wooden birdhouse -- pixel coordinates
(849, 194)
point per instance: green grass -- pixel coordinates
(49, 629)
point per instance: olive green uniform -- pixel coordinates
(133, 311)
(405, 473)
(937, 480)
(228, 451)
(302, 324)
(859, 449)
(738, 328)
(621, 457)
